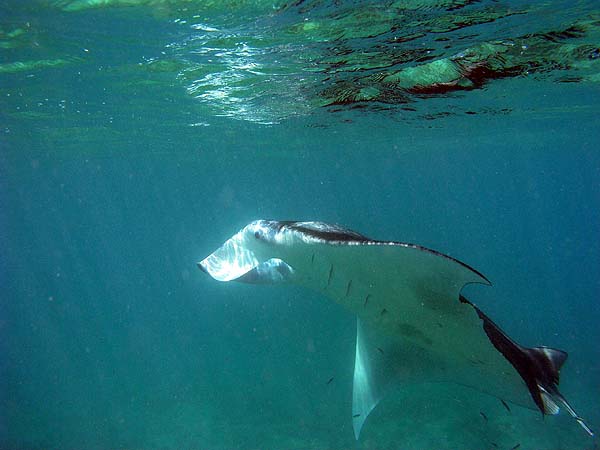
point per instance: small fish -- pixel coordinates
(483, 415)
(380, 350)
(366, 300)
(383, 311)
(505, 405)
(515, 447)
(329, 381)
(348, 288)
(494, 444)
(356, 415)
(330, 275)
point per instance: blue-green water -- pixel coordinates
(135, 140)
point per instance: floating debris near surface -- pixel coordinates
(385, 55)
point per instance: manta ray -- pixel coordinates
(413, 323)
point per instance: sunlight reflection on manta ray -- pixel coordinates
(412, 321)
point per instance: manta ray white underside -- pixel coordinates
(413, 324)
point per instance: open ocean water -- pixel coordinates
(138, 135)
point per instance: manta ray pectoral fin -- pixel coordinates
(366, 391)
(382, 362)
(539, 367)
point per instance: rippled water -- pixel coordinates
(135, 136)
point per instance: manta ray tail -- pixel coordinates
(539, 367)
(380, 361)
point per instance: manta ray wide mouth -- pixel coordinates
(230, 261)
